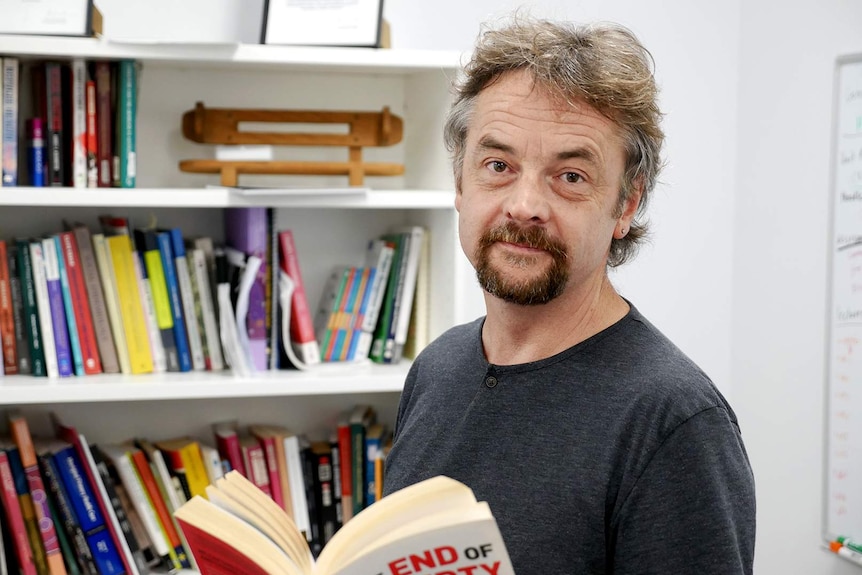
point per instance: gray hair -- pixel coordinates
(602, 64)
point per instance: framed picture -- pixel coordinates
(47, 17)
(322, 22)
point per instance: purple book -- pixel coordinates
(247, 230)
(58, 309)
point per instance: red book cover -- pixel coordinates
(345, 459)
(69, 434)
(215, 557)
(80, 299)
(105, 156)
(7, 323)
(20, 431)
(91, 142)
(254, 459)
(301, 325)
(14, 518)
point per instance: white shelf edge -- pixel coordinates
(217, 198)
(233, 54)
(332, 380)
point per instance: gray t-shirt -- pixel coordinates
(617, 455)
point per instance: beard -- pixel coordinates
(533, 291)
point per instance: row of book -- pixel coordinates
(71, 506)
(149, 300)
(70, 124)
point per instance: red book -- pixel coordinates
(21, 435)
(345, 459)
(14, 518)
(104, 122)
(69, 434)
(227, 444)
(269, 447)
(91, 142)
(301, 323)
(254, 459)
(215, 557)
(81, 303)
(7, 322)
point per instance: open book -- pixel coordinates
(435, 526)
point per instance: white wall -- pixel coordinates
(781, 229)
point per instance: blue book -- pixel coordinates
(127, 120)
(170, 270)
(62, 345)
(363, 309)
(86, 510)
(74, 341)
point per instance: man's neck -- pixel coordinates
(514, 334)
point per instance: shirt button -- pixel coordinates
(491, 381)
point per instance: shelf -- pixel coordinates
(220, 198)
(329, 380)
(246, 56)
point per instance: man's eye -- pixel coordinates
(497, 166)
(573, 177)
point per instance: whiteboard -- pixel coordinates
(842, 513)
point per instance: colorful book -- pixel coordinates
(7, 316)
(96, 299)
(20, 431)
(79, 122)
(360, 305)
(379, 255)
(21, 346)
(157, 348)
(183, 453)
(383, 342)
(68, 306)
(91, 141)
(112, 300)
(14, 519)
(330, 303)
(43, 304)
(181, 341)
(28, 510)
(375, 439)
(246, 230)
(131, 309)
(127, 87)
(30, 308)
(80, 302)
(9, 122)
(147, 245)
(188, 300)
(271, 439)
(361, 418)
(59, 325)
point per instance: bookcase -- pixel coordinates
(329, 229)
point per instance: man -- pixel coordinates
(599, 446)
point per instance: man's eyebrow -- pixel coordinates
(490, 143)
(585, 154)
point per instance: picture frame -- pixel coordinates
(47, 17)
(344, 23)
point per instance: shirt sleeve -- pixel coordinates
(692, 510)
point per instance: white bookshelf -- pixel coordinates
(329, 229)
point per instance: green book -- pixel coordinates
(31, 310)
(127, 121)
(387, 311)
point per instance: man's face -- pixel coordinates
(538, 201)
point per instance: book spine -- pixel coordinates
(354, 325)
(408, 290)
(378, 351)
(89, 517)
(112, 301)
(31, 310)
(104, 120)
(127, 113)
(196, 473)
(379, 255)
(268, 445)
(227, 444)
(295, 476)
(324, 490)
(335, 333)
(344, 328)
(9, 130)
(14, 518)
(43, 304)
(211, 330)
(131, 311)
(36, 166)
(373, 449)
(7, 316)
(68, 307)
(187, 300)
(301, 325)
(80, 303)
(173, 288)
(255, 464)
(91, 139)
(62, 341)
(357, 450)
(54, 123)
(108, 358)
(345, 465)
(330, 302)
(152, 265)
(20, 431)
(65, 515)
(21, 346)
(28, 511)
(79, 123)
(154, 335)
(198, 309)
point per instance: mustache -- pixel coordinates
(533, 237)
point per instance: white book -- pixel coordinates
(79, 123)
(112, 300)
(40, 282)
(188, 300)
(405, 296)
(211, 331)
(212, 462)
(9, 88)
(379, 256)
(293, 458)
(154, 335)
